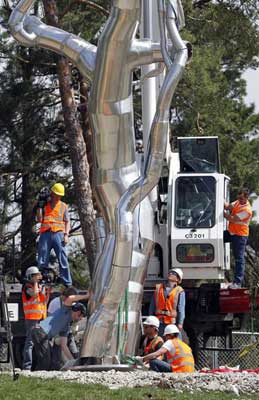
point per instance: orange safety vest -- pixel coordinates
(151, 347)
(53, 219)
(166, 309)
(35, 307)
(182, 359)
(240, 228)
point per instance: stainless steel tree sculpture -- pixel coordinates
(119, 187)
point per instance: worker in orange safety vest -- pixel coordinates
(34, 299)
(238, 215)
(178, 354)
(168, 301)
(54, 231)
(152, 341)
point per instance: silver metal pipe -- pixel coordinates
(30, 31)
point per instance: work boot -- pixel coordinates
(234, 286)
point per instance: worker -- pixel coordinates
(57, 357)
(152, 341)
(178, 354)
(34, 299)
(168, 302)
(54, 231)
(58, 324)
(238, 215)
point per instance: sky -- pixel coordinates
(252, 78)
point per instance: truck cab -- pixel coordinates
(191, 195)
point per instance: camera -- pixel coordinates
(44, 197)
(49, 277)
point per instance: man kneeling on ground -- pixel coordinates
(57, 324)
(151, 342)
(178, 354)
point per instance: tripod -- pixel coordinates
(6, 332)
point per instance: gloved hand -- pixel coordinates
(139, 359)
(68, 364)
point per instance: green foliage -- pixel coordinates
(83, 19)
(210, 98)
(79, 267)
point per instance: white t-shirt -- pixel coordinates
(168, 345)
(54, 305)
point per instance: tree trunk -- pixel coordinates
(80, 166)
(28, 233)
(28, 224)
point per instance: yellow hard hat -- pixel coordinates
(58, 189)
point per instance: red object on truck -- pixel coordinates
(236, 301)
(257, 297)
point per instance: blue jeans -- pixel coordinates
(28, 346)
(160, 366)
(238, 247)
(54, 240)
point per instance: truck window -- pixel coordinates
(195, 253)
(199, 154)
(195, 202)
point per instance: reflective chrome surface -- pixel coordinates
(119, 188)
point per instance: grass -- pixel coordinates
(36, 389)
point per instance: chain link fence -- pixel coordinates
(4, 352)
(241, 350)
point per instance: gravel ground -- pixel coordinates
(238, 383)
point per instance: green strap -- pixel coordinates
(123, 318)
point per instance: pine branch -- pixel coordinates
(91, 4)
(200, 3)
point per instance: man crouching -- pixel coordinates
(178, 354)
(57, 324)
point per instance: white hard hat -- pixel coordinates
(152, 321)
(169, 329)
(32, 271)
(178, 271)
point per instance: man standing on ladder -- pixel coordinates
(238, 217)
(54, 232)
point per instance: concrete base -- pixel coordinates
(102, 367)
